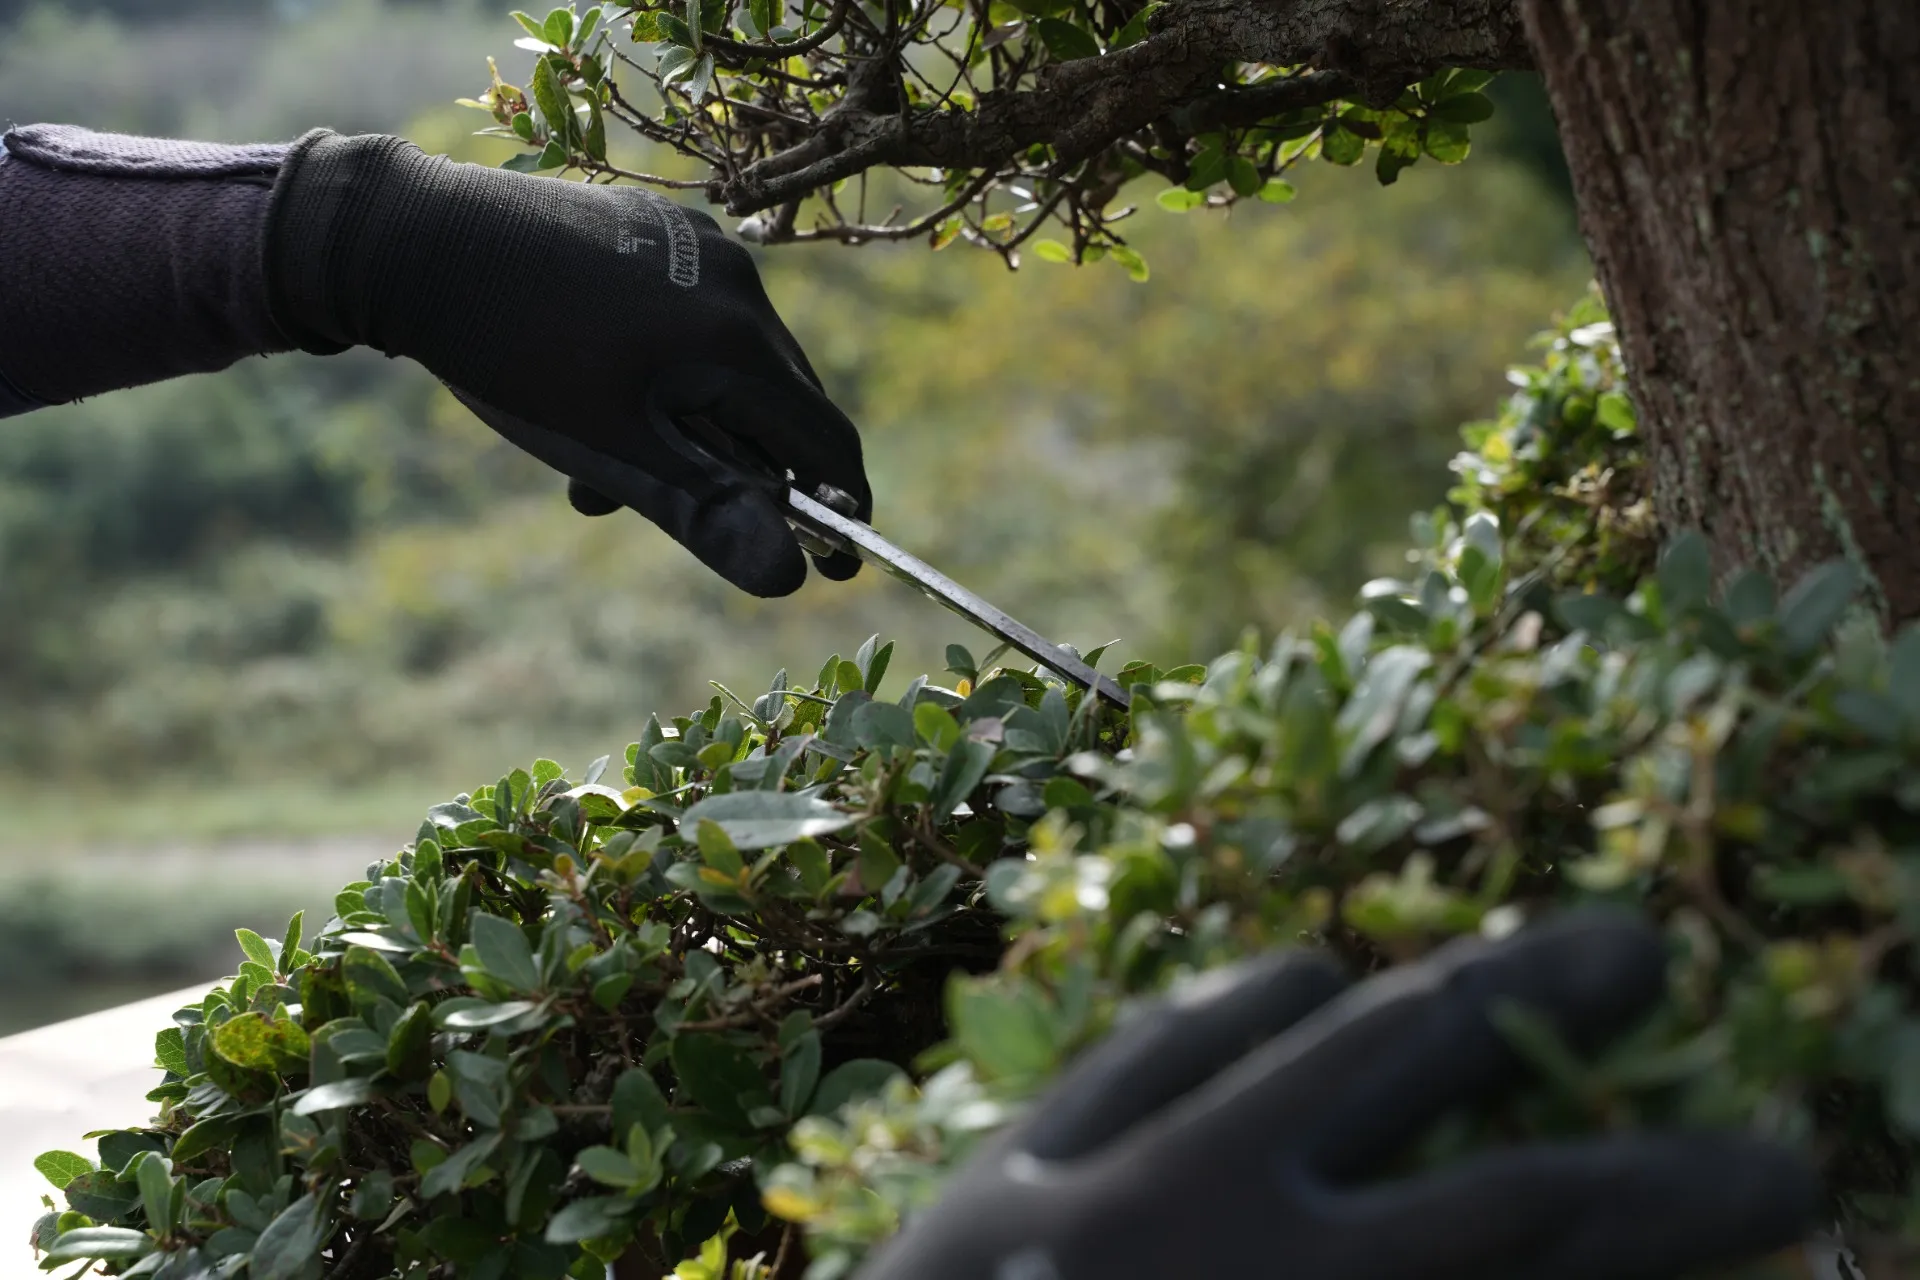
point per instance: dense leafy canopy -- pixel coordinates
(813, 942)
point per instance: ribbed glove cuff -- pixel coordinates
(371, 242)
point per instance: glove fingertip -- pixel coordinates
(747, 541)
(589, 501)
(838, 568)
(779, 574)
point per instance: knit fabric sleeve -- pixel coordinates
(127, 260)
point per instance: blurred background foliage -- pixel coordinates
(267, 615)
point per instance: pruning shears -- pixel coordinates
(823, 523)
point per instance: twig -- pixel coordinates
(756, 1011)
(835, 1017)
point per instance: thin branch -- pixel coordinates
(651, 179)
(756, 1011)
(794, 49)
(834, 1018)
(855, 233)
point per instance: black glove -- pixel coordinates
(581, 321)
(1242, 1130)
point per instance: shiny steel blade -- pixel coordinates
(843, 533)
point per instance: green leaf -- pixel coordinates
(170, 1051)
(291, 947)
(965, 766)
(370, 977)
(259, 1044)
(1810, 611)
(588, 22)
(409, 1050)
(762, 819)
(154, 1176)
(610, 990)
(1136, 29)
(678, 34)
(717, 850)
(873, 664)
(532, 27)
(101, 1196)
(593, 1218)
(1005, 1030)
(800, 1073)
(1180, 199)
(609, 1167)
(700, 79)
(452, 1173)
(256, 948)
(1370, 715)
(1388, 165)
(373, 1195)
(719, 1075)
(116, 1243)
(504, 952)
(936, 726)
(335, 1096)
(204, 1136)
(1465, 108)
(1065, 41)
(552, 101)
(1243, 176)
(1207, 168)
(860, 1078)
(559, 27)
(595, 145)
(1127, 257)
(1342, 146)
(1050, 251)
(1277, 191)
(883, 724)
(290, 1241)
(62, 1167)
(1448, 143)
(1467, 80)
(638, 1100)
(481, 1014)
(1614, 411)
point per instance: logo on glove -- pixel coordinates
(683, 248)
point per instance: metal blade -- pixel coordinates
(843, 533)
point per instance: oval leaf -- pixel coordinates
(761, 819)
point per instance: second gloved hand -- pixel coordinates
(1249, 1126)
(582, 322)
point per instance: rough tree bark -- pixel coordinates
(1748, 175)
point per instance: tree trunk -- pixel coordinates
(1748, 173)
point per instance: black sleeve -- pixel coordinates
(128, 260)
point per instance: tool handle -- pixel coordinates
(824, 524)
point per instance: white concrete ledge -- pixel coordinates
(60, 1081)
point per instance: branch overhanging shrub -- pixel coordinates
(779, 982)
(998, 119)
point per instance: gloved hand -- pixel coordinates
(582, 322)
(1241, 1129)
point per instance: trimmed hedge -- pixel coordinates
(758, 998)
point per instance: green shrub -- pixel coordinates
(779, 982)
